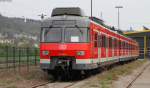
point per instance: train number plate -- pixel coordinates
(62, 47)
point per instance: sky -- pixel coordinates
(135, 13)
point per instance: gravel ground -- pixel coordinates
(124, 81)
(117, 77)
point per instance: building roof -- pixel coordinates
(138, 33)
(135, 32)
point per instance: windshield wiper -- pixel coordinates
(79, 29)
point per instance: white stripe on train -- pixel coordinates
(89, 61)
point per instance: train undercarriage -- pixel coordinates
(62, 68)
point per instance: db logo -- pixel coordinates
(63, 47)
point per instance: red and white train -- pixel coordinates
(72, 41)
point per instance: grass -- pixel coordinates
(113, 74)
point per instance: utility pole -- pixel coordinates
(119, 7)
(102, 15)
(25, 20)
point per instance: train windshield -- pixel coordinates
(76, 35)
(67, 35)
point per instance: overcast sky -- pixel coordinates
(135, 13)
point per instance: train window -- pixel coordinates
(115, 43)
(102, 44)
(99, 40)
(128, 46)
(76, 35)
(110, 42)
(119, 44)
(104, 41)
(123, 45)
(67, 35)
(53, 35)
(95, 39)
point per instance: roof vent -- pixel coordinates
(74, 11)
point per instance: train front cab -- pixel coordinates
(67, 45)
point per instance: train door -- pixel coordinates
(123, 49)
(99, 46)
(128, 49)
(119, 48)
(95, 52)
(115, 47)
(109, 46)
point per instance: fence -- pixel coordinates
(12, 57)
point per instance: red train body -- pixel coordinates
(82, 43)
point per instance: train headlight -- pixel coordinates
(80, 53)
(45, 52)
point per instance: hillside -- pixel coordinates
(17, 25)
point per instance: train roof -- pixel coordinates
(75, 11)
(67, 20)
(101, 22)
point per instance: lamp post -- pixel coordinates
(42, 18)
(119, 7)
(91, 8)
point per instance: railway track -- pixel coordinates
(56, 85)
(142, 71)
